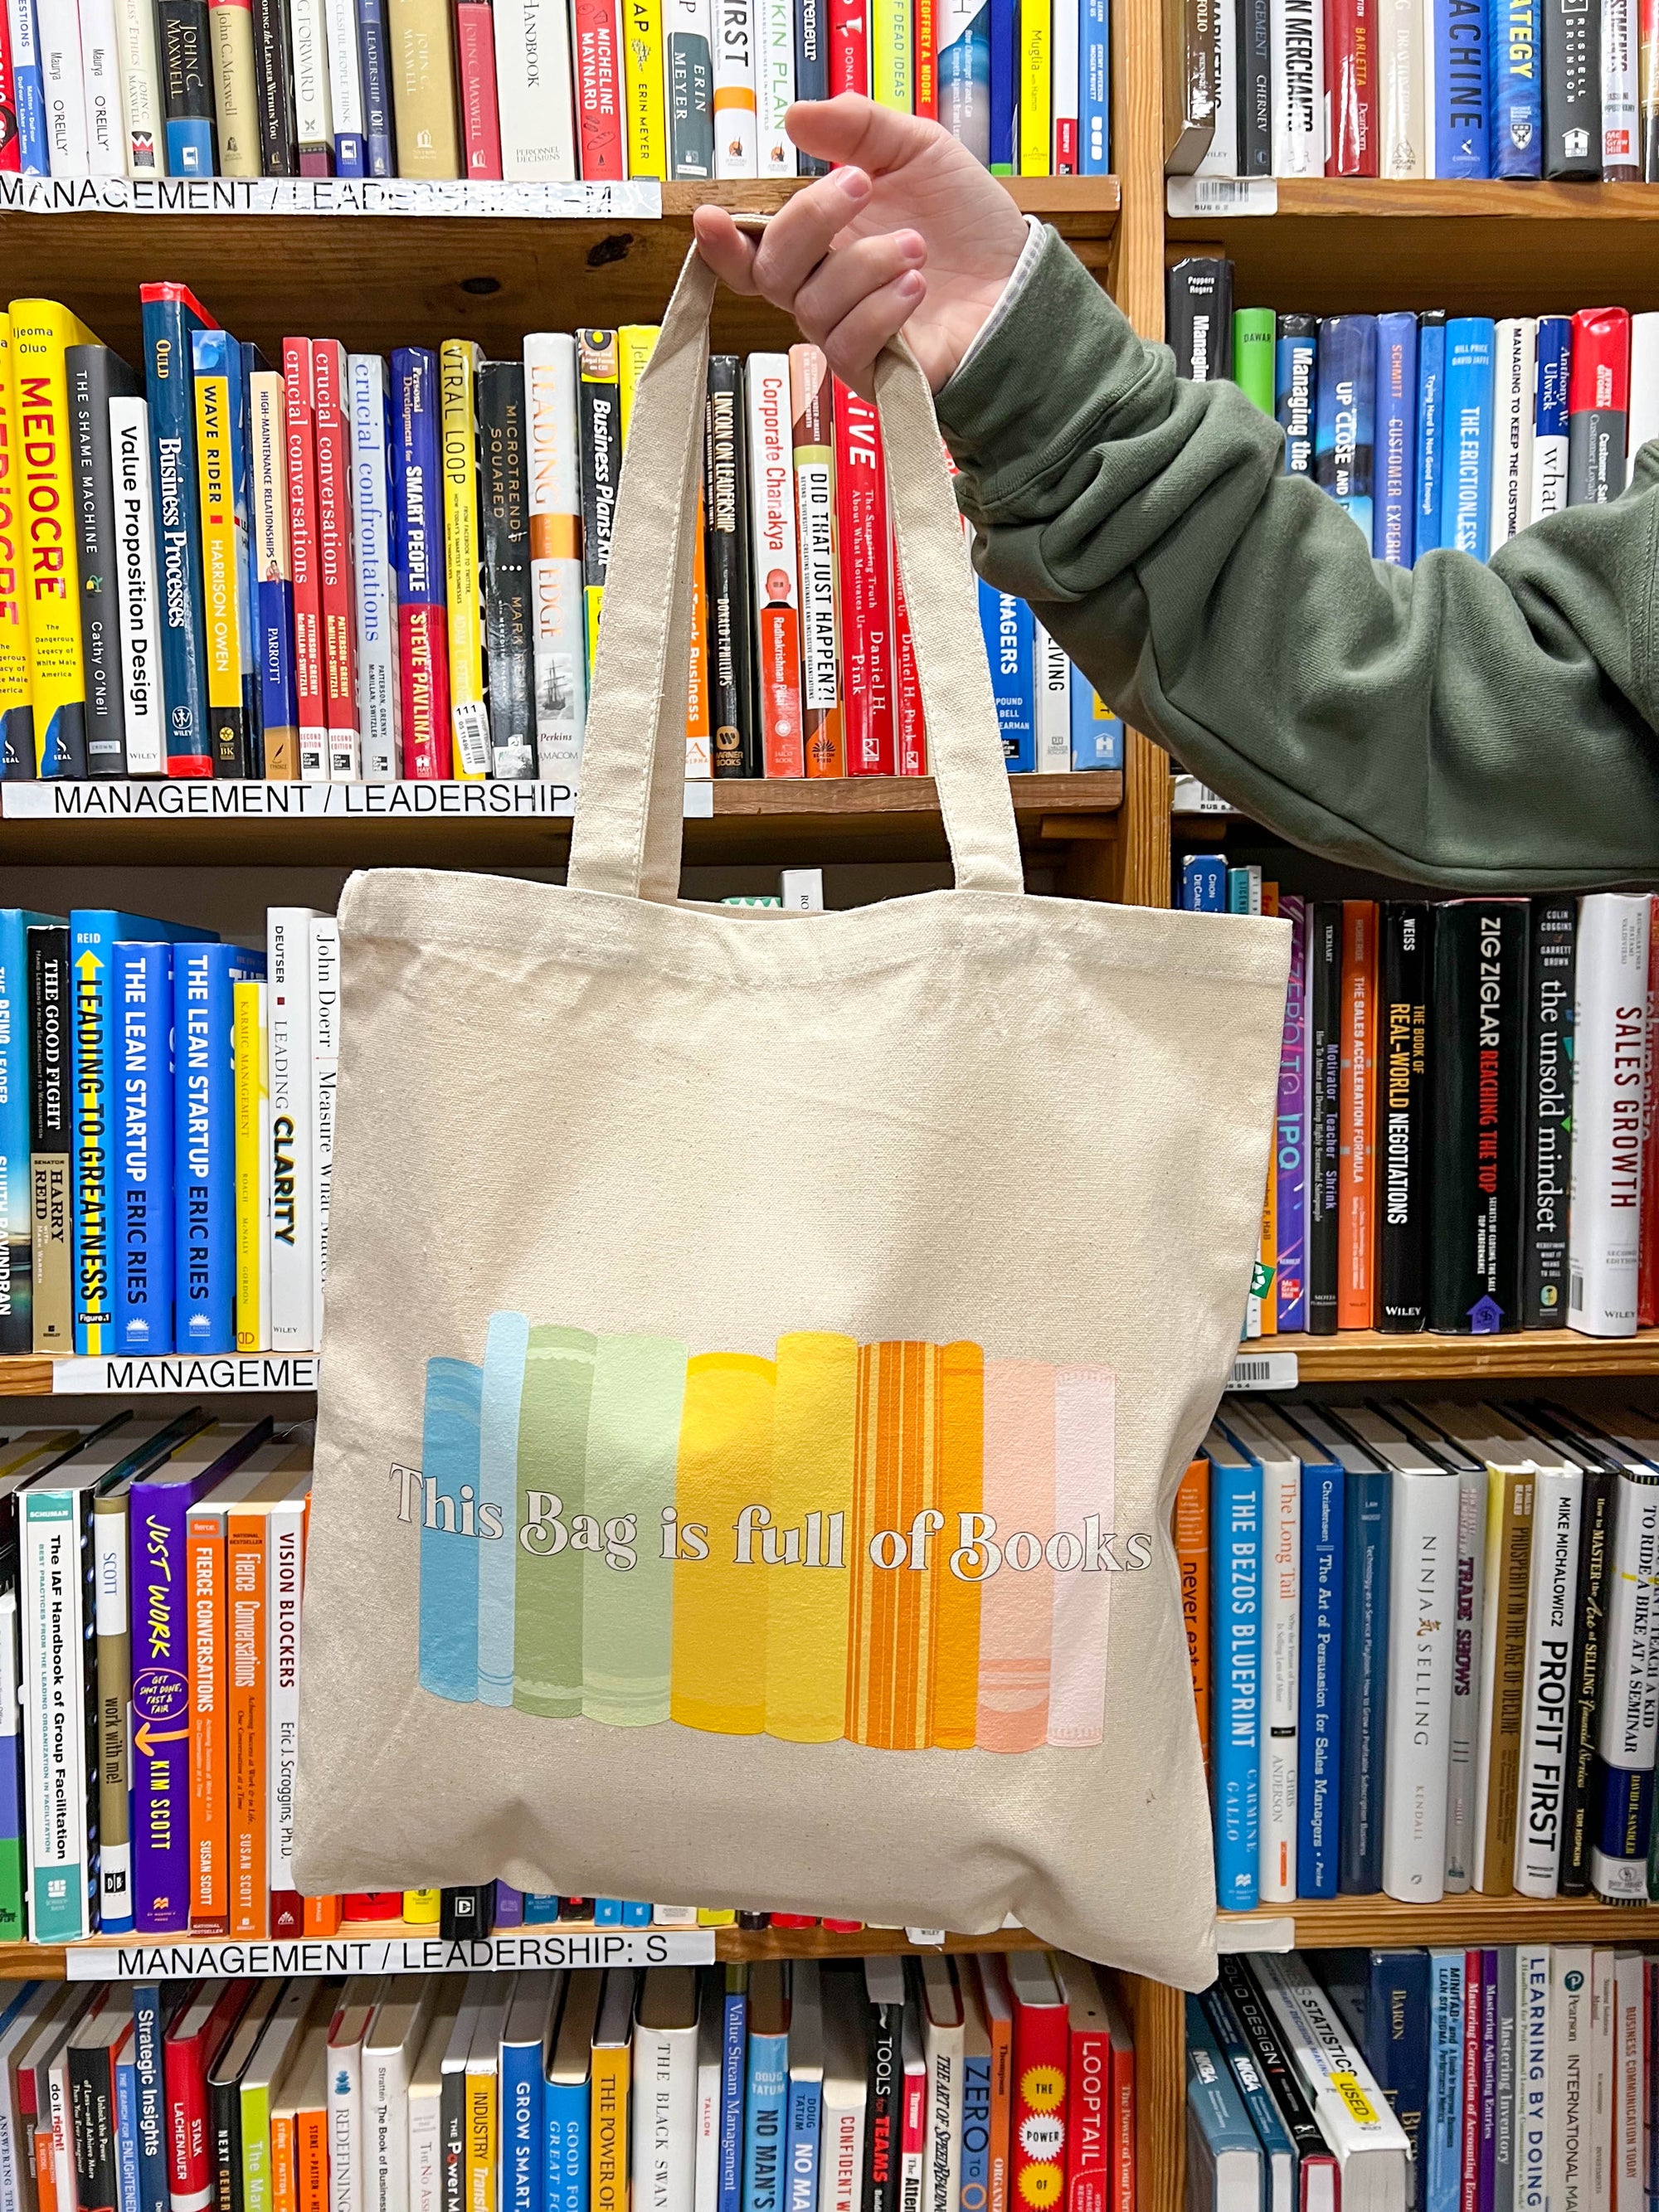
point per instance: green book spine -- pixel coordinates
(1254, 335)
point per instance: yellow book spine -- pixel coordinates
(636, 344)
(716, 1916)
(457, 373)
(423, 96)
(230, 24)
(889, 55)
(421, 1907)
(41, 331)
(610, 2107)
(481, 2140)
(216, 498)
(1036, 103)
(15, 732)
(253, 1121)
(647, 131)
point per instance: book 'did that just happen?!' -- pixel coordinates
(907, 1545)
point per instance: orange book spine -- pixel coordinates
(320, 1916)
(46, 2171)
(310, 2161)
(1356, 1216)
(244, 1574)
(204, 1566)
(285, 2179)
(1191, 1531)
(999, 2028)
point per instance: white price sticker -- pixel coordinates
(1223, 195)
(1263, 1371)
(471, 721)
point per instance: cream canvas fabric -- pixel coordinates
(762, 1348)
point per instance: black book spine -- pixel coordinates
(576, 1908)
(725, 497)
(95, 374)
(1272, 2061)
(691, 100)
(812, 68)
(1199, 319)
(598, 408)
(1324, 1111)
(96, 2187)
(49, 1138)
(1256, 88)
(1401, 1119)
(1594, 1567)
(1572, 89)
(186, 69)
(1477, 1064)
(452, 2123)
(1548, 1164)
(507, 645)
(273, 89)
(466, 1915)
(224, 2127)
(881, 2164)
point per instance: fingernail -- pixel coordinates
(911, 286)
(854, 182)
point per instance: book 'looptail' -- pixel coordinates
(906, 1545)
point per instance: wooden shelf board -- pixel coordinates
(1364, 1356)
(1330, 1923)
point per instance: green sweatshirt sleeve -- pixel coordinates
(1482, 726)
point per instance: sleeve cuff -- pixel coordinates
(1011, 291)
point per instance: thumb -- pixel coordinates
(853, 132)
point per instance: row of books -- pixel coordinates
(166, 1132)
(865, 2086)
(1464, 1115)
(1445, 88)
(1523, 2074)
(1422, 1638)
(1434, 431)
(532, 89)
(349, 570)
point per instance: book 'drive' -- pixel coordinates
(722, 1438)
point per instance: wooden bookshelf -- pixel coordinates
(1331, 1923)
(1534, 1356)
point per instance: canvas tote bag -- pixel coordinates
(761, 1347)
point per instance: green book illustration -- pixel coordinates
(633, 1446)
(546, 1651)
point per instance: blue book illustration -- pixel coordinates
(1319, 1705)
(374, 59)
(143, 1176)
(150, 2115)
(1443, 2130)
(964, 84)
(1549, 429)
(1005, 82)
(1204, 884)
(1010, 647)
(16, 1262)
(1234, 1669)
(1466, 497)
(1517, 113)
(1281, 2164)
(766, 2107)
(1094, 124)
(1097, 732)
(204, 1143)
(1296, 390)
(171, 315)
(505, 1347)
(565, 2117)
(522, 2127)
(1458, 87)
(1431, 430)
(28, 90)
(1223, 2151)
(1345, 413)
(94, 933)
(1395, 519)
(635, 1913)
(449, 1553)
(540, 1906)
(607, 1912)
(734, 2041)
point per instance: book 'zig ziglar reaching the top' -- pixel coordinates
(907, 1545)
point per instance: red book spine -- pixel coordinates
(1089, 2134)
(865, 610)
(599, 91)
(910, 729)
(1350, 74)
(475, 66)
(373, 1904)
(1036, 2136)
(912, 2131)
(334, 565)
(287, 1912)
(311, 709)
(924, 94)
(185, 2064)
(850, 49)
(1122, 2122)
(792, 1920)
(1066, 146)
(1647, 1281)
(11, 148)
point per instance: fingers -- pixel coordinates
(853, 273)
(855, 130)
(851, 348)
(726, 249)
(796, 241)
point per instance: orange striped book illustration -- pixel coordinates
(905, 1544)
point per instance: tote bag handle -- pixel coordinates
(627, 834)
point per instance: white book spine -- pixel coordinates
(385, 2117)
(771, 492)
(1422, 1598)
(11, 1715)
(1353, 2112)
(141, 93)
(1430, 90)
(425, 2192)
(134, 558)
(1299, 67)
(944, 2048)
(371, 548)
(345, 75)
(292, 1296)
(1281, 1674)
(58, 23)
(1549, 472)
(1465, 1724)
(1630, 2084)
(345, 2128)
(706, 2182)
(1402, 151)
(533, 90)
(1610, 992)
(1222, 158)
(1547, 1711)
(664, 2119)
(1602, 2063)
(54, 1701)
(325, 1088)
(101, 89)
(1627, 1723)
(1644, 383)
(775, 88)
(1054, 704)
(674, 1916)
(285, 1533)
(1065, 92)
(59, 2110)
(556, 570)
(1514, 358)
(737, 150)
(1620, 125)
(261, 1342)
(313, 122)
(111, 1620)
(24, 35)
(1532, 2076)
(841, 2153)
(1569, 2071)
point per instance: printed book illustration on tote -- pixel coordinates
(764, 1347)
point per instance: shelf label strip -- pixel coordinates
(138, 1961)
(328, 196)
(186, 1374)
(189, 799)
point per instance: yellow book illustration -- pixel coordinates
(42, 330)
(815, 1412)
(16, 733)
(718, 1679)
(646, 132)
(235, 102)
(252, 1154)
(1036, 99)
(457, 373)
(890, 59)
(636, 344)
(222, 561)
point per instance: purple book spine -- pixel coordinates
(161, 1706)
(1488, 2081)
(1290, 1140)
(509, 1906)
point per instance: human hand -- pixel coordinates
(911, 233)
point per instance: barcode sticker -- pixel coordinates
(1263, 1371)
(1188, 796)
(1199, 196)
(471, 736)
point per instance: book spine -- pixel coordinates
(418, 556)
(1324, 1100)
(324, 957)
(1430, 431)
(532, 90)
(46, 485)
(222, 567)
(775, 85)
(815, 516)
(1064, 30)
(598, 393)
(293, 1297)
(457, 370)
(1403, 149)
(313, 121)
(1350, 60)
(1571, 89)
(1552, 353)
(1422, 1597)
(17, 710)
(1467, 1645)
(507, 571)
(1401, 1109)
(345, 87)
(423, 99)
(1355, 1291)
(186, 63)
(1627, 1723)
(599, 74)
(1466, 498)
(478, 92)
(1318, 1795)
(1290, 1143)
(1095, 90)
(16, 1274)
(772, 565)
(236, 88)
(1396, 443)
(143, 1182)
(1052, 710)
(274, 628)
(863, 578)
(371, 525)
(1598, 405)
(134, 562)
(310, 693)
(59, 32)
(375, 64)
(1008, 628)
(1368, 1513)
(1190, 1529)
(736, 746)
(283, 1570)
(249, 1766)
(1344, 426)
(94, 1128)
(112, 1625)
(690, 94)
(1235, 1672)
(1588, 1667)
(1298, 78)
(51, 1027)
(337, 633)
(1608, 1087)
(204, 1171)
(963, 73)
(253, 1155)
(1503, 1631)
(1477, 1072)
(1647, 1273)
(273, 89)
(1547, 1168)
(1461, 112)
(1516, 133)
(1621, 155)
(90, 380)
(1281, 1563)
(1647, 22)
(555, 582)
(54, 1691)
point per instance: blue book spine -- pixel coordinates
(28, 91)
(767, 2093)
(1345, 413)
(1618, 1856)
(1443, 2165)
(733, 2054)
(1005, 81)
(150, 2115)
(975, 2190)
(1319, 1709)
(1459, 87)
(144, 1180)
(247, 361)
(190, 146)
(1466, 498)
(1236, 1679)
(800, 2163)
(16, 1259)
(1296, 385)
(373, 59)
(170, 316)
(1549, 438)
(1278, 2149)
(205, 1147)
(1204, 884)
(1396, 2039)
(1097, 732)
(635, 1913)
(1517, 137)
(1010, 647)
(607, 1912)
(539, 1906)
(1395, 517)
(523, 2128)
(1430, 431)
(1095, 82)
(1367, 1518)
(964, 82)
(565, 2109)
(348, 154)
(126, 2133)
